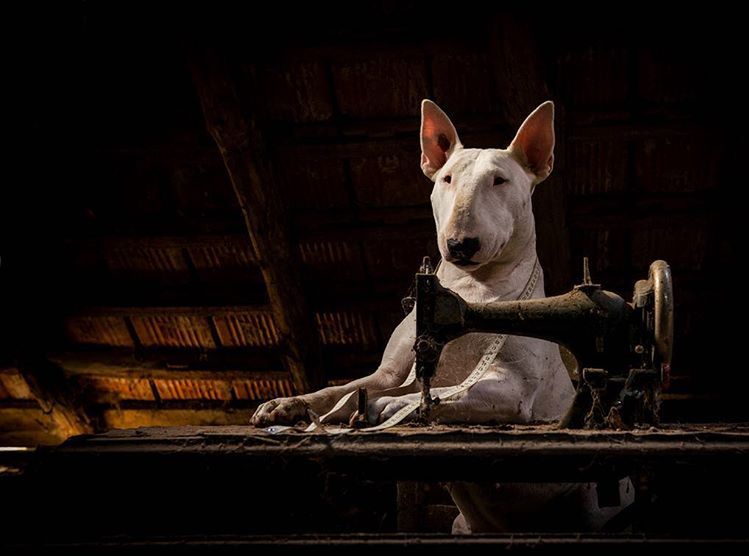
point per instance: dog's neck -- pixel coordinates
(502, 279)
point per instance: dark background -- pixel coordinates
(125, 260)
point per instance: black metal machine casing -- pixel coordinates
(623, 350)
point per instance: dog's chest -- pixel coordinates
(460, 357)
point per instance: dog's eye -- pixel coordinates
(499, 180)
(448, 178)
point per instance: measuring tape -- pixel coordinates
(478, 372)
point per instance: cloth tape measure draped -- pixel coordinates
(478, 372)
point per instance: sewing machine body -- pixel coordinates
(623, 349)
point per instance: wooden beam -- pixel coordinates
(169, 363)
(190, 404)
(247, 162)
(358, 306)
(361, 306)
(25, 424)
(538, 453)
(133, 418)
(211, 328)
(187, 364)
(354, 231)
(58, 397)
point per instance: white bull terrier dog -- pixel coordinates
(487, 238)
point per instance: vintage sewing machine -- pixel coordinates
(623, 349)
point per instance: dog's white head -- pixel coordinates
(482, 197)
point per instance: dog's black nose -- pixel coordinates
(463, 248)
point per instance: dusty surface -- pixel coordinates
(541, 453)
(406, 431)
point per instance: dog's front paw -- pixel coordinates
(382, 409)
(281, 411)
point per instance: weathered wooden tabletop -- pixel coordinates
(435, 452)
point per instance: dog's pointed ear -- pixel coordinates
(534, 143)
(438, 138)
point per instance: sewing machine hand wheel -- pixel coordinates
(661, 307)
(660, 273)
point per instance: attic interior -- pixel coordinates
(135, 295)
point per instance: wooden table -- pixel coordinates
(239, 487)
(438, 452)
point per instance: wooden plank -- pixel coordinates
(132, 418)
(27, 426)
(438, 452)
(229, 364)
(612, 66)
(183, 404)
(120, 391)
(360, 94)
(473, 93)
(297, 90)
(631, 210)
(595, 166)
(594, 124)
(214, 252)
(62, 399)
(337, 264)
(410, 506)
(166, 364)
(13, 386)
(247, 163)
(397, 543)
(236, 327)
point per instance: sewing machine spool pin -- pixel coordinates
(586, 272)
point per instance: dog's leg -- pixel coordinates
(488, 507)
(393, 370)
(503, 395)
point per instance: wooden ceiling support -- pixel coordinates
(246, 159)
(226, 364)
(58, 397)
